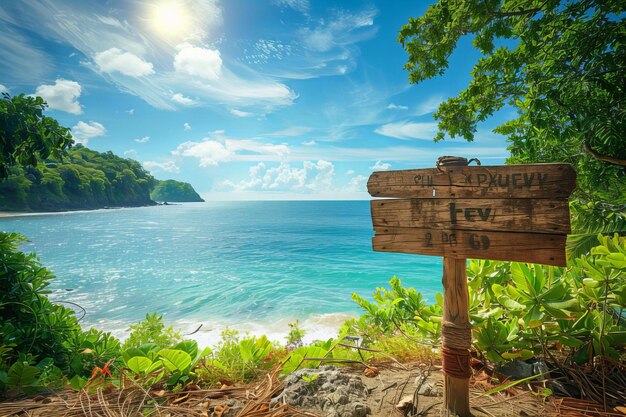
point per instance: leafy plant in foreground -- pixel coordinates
(295, 335)
(152, 330)
(29, 323)
(522, 310)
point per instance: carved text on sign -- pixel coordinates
(506, 181)
(471, 213)
(512, 212)
(515, 215)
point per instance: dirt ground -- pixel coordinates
(387, 388)
(392, 385)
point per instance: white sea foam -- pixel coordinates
(317, 327)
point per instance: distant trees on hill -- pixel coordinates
(175, 191)
(84, 179)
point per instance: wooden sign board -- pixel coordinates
(510, 212)
(550, 181)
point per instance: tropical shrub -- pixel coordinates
(29, 323)
(240, 359)
(152, 330)
(520, 310)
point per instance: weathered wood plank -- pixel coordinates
(504, 181)
(503, 246)
(514, 215)
(456, 319)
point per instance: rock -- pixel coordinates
(516, 369)
(333, 392)
(405, 402)
(429, 389)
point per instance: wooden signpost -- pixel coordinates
(510, 213)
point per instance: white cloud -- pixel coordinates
(143, 140)
(167, 166)
(336, 32)
(217, 132)
(350, 172)
(408, 130)
(200, 62)
(302, 6)
(208, 153)
(114, 59)
(63, 95)
(185, 101)
(82, 132)
(312, 177)
(240, 113)
(357, 184)
(322, 47)
(3, 89)
(18, 52)
(311, 142)
(186, 126)
(428, 106)
(131, 153)
(131, 112)
(211, 152)
(393, 106)
(93, 28)
(380, 166)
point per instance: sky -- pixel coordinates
(244, 99)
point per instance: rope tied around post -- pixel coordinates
(457, 340)
(456, 362)
(457, 336)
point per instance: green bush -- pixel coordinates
(152, 330)
(29, 322)
(519, 310)
(240, 359)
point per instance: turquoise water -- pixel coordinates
(251, 265)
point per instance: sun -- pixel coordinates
(170, 17)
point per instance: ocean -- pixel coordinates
(253, 266)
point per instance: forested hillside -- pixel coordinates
(175, 191)
(84, 179)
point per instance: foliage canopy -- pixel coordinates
(559, 63)
(26, 135)
(174, 191)
(85, 179)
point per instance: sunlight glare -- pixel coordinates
(170, 17)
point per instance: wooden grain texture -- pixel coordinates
(456, 311)
(513, 215)
(504, 246)
(504, 181)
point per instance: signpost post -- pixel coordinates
(510, 213)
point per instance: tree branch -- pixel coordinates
(600, 157)
(518, 13)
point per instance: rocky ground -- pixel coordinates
(389, 390)
(398, 391)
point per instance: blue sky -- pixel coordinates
(244, 99)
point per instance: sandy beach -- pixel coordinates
(16, 213)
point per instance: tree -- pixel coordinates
(26, 135)
(561, 64)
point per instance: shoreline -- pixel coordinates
(8, 214)
(208, 333)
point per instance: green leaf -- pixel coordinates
(509, 385)
(131, 353)
(590, 282)
(175, 360)
(139, 364)
(21, 374)
(77, 382)
(189, 346)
